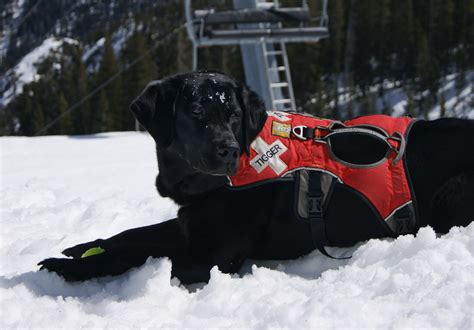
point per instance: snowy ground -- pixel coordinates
(59, 191)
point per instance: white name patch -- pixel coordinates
(268, 155)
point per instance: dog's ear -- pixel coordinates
(254, 115)
(154, 109)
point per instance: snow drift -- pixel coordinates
(59, 191)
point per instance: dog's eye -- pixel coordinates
(196, 111)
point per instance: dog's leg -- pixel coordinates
(453, 203)
(153, 234)
(119, 260)
(130, 249)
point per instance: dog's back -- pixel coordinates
(440, 156)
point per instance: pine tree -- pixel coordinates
(402, 40)
(441, 30)
(335, 49)
(44, 99)
(317, 104)
(37, 118)
(468, 33)
(307, 80)
(442, 105)
(7, 123)
(137, 77)
(365, 56)
(183, 47)
(350, 99)
(25, 112)
(460, 84)
(411, 105)
(349, 51)
(95, 115)
(108, 68)
(367, 105)
(106, 119)
(65, 123)
(425, 66)
(77, 77)
(383, 44)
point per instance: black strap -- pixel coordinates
(315, 213)
(404, 223)
(308, 133)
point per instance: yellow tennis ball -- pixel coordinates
(92, 251)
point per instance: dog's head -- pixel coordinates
(207, 118)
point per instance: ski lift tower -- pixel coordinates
(262, 29)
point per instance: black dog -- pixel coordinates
(202, 122)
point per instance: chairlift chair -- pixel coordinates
(261, 28)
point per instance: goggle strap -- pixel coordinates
(401, 149)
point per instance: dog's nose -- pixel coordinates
(228, 152)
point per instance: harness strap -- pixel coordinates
(315, 212)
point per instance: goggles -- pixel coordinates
(361, 146)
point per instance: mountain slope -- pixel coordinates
(397, 58)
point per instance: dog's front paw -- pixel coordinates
(65, 268)
(94, 263)
(73, 270)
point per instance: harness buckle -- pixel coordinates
(403, 222)
(298, 131)
(315, 207)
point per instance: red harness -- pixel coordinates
(284, 146)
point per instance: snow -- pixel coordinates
(92, 53)
(458, 103)
(89, 51)
(18, 7)
(25, 71)
(59, 191)
(221, 97)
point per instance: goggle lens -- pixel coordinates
(357, 149)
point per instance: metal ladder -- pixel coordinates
(277, 69)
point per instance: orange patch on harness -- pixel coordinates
(281, 130)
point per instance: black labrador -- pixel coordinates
(201, 123)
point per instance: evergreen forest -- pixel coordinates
(374, 47)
